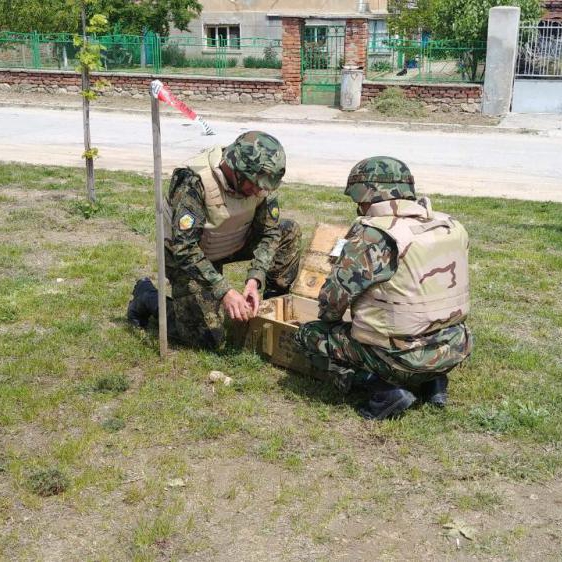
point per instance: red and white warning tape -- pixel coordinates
(162, 93)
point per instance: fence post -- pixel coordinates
(291, 59)
(157, 53)
(503, 31)
(35, 52)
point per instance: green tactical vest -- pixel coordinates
(429, 290)
(229, 215)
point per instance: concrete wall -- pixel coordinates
(327, 6)
(503, 30)
(537, 96)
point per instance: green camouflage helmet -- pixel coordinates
(257, 157)
(380, 178)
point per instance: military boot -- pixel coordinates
(144, 303)
(434, 392)
(388, 404)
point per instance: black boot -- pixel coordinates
(144, 303)
(434, 392)
(388, 404)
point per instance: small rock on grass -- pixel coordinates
(217, 376)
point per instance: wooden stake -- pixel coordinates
(157, 150)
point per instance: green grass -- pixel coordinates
(276, 458)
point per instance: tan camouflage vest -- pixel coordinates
(229, 215)
(429, 290)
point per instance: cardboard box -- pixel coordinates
(271, 332)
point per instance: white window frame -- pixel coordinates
(211, 42)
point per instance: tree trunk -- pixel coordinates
(90, 188)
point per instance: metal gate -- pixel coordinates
(322, 59)
(538, 74)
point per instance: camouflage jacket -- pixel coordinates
(370, 256)
(184, 255)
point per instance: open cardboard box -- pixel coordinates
(271, 332)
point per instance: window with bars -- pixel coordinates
(223, 36)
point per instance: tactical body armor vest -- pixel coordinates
(429, 290)
(229, 215)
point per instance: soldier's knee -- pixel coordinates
(290, 229)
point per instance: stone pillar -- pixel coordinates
(356, 39)
(501, 56)
(291, 65)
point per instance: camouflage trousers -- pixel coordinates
(349, 363)
(196, 318)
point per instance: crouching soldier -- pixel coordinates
(222, 208)
(404, 273)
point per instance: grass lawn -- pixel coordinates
(107, 453)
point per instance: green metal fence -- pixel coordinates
(151, 54)
(405, 60)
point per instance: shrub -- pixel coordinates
(381, 66)
(260, 62)
(48, 482)
(112, 383)
(174, 55)
(394, 103)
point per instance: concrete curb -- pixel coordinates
(245, 117)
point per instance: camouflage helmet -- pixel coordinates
(257, 157)
(380, 178)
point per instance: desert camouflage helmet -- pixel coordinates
(258, 157)
(380, 178)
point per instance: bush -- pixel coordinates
(173, 55)
(112, 383)
(394, 103)
(48, 482)
(260, 62)
(381, 66)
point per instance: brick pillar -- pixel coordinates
(356, 39)
(291, 69)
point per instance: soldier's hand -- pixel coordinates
(236, 306)
(252, 296)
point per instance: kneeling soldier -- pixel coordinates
(404, 273)
(222, 208)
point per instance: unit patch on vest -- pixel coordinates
(273, 209)
(187, 221)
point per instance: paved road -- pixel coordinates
(487, 164)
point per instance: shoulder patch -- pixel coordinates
(187, 221)
(273, 209)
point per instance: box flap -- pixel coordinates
(316, 262)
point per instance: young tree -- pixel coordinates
(89, 58)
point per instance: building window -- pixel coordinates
(315, 34)
(378, 41)
(223, 36)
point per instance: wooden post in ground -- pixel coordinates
(157, 150)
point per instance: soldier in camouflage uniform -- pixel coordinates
(222, 208)
(404, 273)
